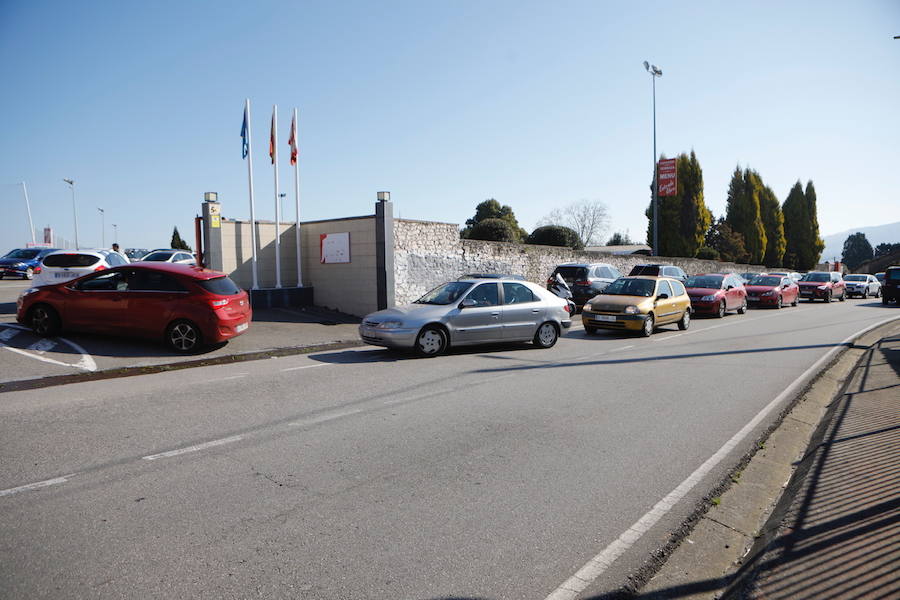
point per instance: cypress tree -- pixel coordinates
(773, 222)
(796, 217)
(816, 243)
(857, 250)
(742, 212)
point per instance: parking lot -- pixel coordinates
(25, 356)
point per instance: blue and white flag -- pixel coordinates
(245, 143)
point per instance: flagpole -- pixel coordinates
(277, 203)
(297, 198)
(252, 207)
(28, 206)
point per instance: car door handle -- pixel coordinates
(535, 310)
(495, 314)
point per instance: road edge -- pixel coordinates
(703, 555)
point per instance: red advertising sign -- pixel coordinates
(667, 182)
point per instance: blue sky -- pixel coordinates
(444, 104)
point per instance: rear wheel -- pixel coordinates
(796, 301)
(432, 340)
(685, 320)
(843, 296)
(590, 330)
(546, 335)
(1, 274)
(183, 337)
(44, 320)
(743, 307)
(828, 297)
(29, 273)
(647, 329)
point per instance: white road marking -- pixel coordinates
(595, 567)
(36, 486)
(86, 362)
(304, 367)
(196, 448)
(239, 376)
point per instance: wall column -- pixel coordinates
(384, 250)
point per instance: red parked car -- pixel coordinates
(772, 290)
(822, 285)
(716, 294)
(185, 306)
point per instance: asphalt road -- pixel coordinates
(488, 473)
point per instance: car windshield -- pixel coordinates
(447, 293)
(22, 254)
(816, 277)
(158, 256)
(769, 281)
(630, 287)
(855, 278)
(704, 281)
(71, 260)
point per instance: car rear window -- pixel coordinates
(158, 256)
(644, 270)
(892, 275)
(70, 260)
(222, 286)
(572, 273)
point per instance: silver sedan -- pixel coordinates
(470, 311)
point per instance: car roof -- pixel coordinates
(477, 277)
(175, 269)
(92, 252)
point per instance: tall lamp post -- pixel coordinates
(71, 183)
(102, 227)
(654, 73)
(115, 233)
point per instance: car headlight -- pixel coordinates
(29, 291)
(708, 298)
(390, 325)
(587, 307)
(769, 293)
(631, 310)
(822, 287)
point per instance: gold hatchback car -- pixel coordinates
(638, 304)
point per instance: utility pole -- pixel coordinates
(71, 183)
(654, 73)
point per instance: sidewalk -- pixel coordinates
(836, 533)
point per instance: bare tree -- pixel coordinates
(589, 219)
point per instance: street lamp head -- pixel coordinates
(647, 65)
(69, 181)
(656, 71)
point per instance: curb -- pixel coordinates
(43, 382)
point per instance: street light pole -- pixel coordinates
(654, 73)
(102, 227)
(71, 183)
(115, 233)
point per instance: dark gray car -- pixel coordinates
(586, 280)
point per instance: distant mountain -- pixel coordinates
(879, 234)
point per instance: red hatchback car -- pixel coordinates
(716, 294)
(186, 306)
(822, 285)
(772, 290)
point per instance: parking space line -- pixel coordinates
(8, 334)
(36, 486)
(86, 362)
(42, 346)
(304, 367)
(195, 448)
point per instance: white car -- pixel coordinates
(172, 256)
(862, 286)
(64, 265)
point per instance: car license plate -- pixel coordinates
(753, 296)
(64, 275)
(241, 327)
(604, 318)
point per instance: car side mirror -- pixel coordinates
(467, 303)
(662, 296)
(730, 287)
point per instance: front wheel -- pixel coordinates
(431, 341)
(685, 320)
(721, 312)
(843, 296)
(590, 330)
(647, 329)
(44, 321)
(29, 273)
(183, 337)
(796, 301)
(546, 335)
(828, 297)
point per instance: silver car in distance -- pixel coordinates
(470, 311)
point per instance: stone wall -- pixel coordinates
(427, 254)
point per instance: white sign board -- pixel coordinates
(334, 248)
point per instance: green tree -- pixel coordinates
(885, 249)
(555, 235)
(728, 243)
(494, 230)
(857, 250)
(620, 239)
(773, 223)
(801, 228)
(683, 218)
(178, 243)
(491, 209)
(742, 212)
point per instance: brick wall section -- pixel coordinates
(427, 254)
